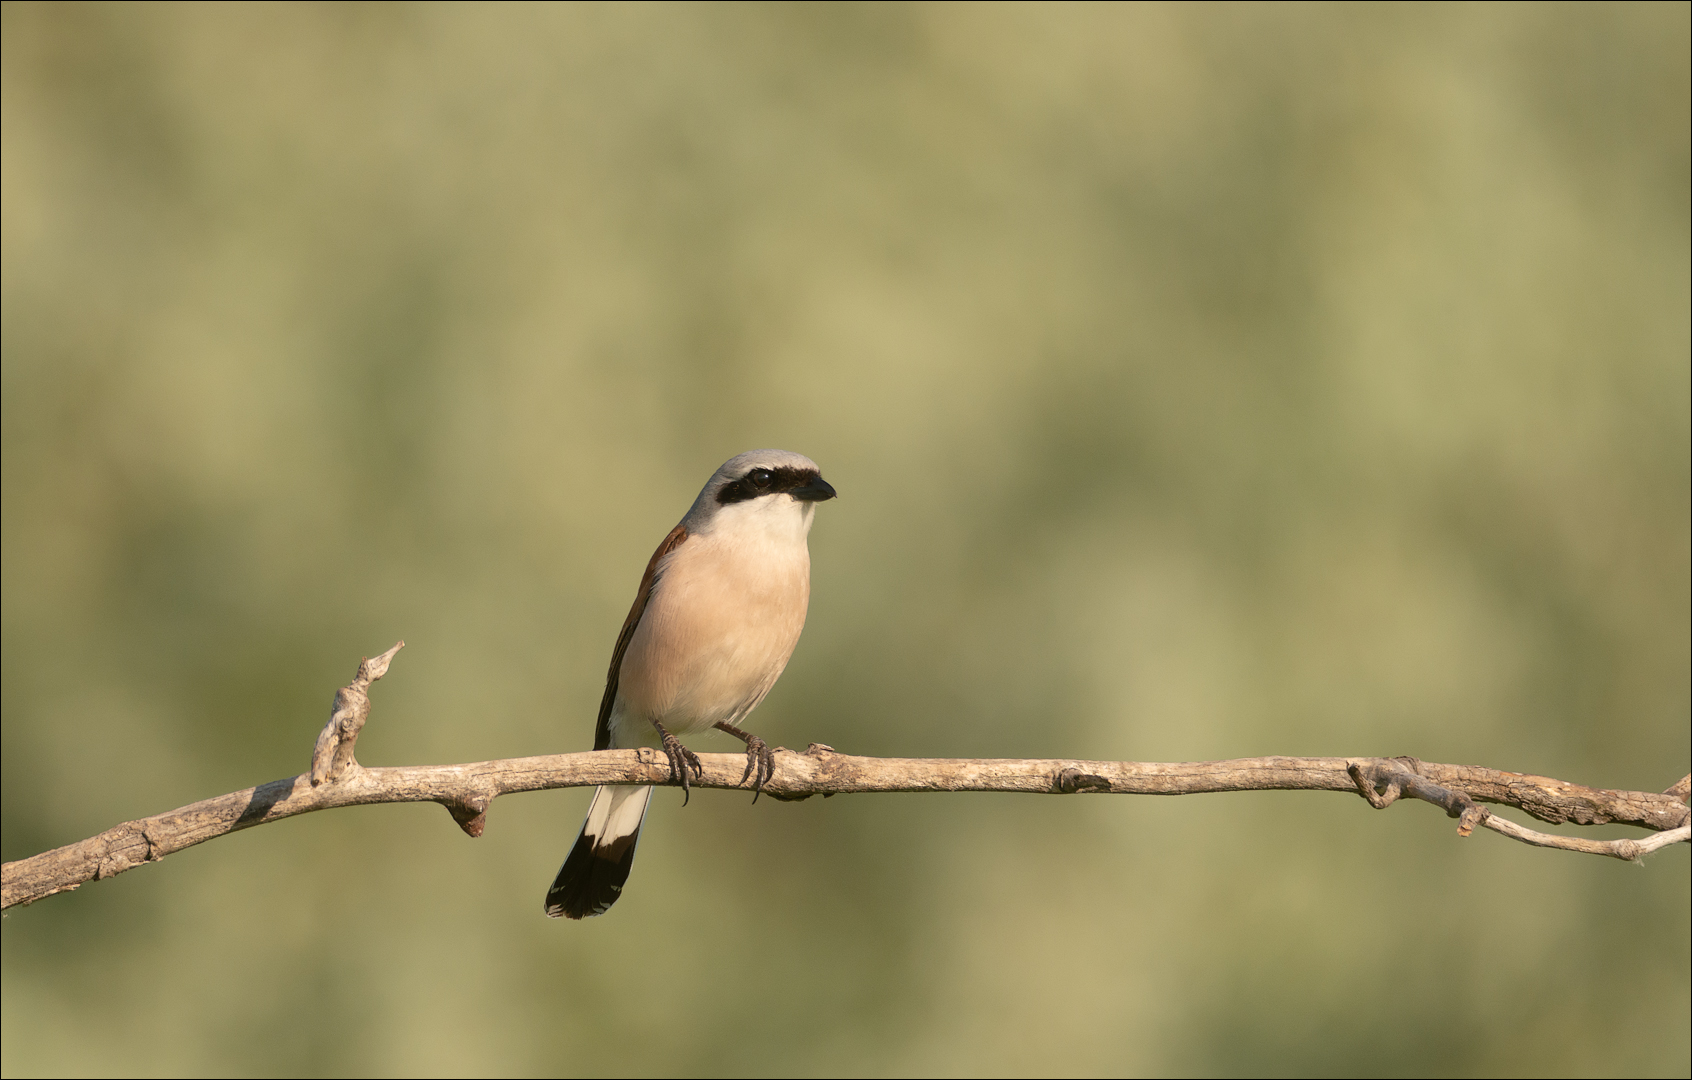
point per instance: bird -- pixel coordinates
(713, 624)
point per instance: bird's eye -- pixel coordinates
(760, 477)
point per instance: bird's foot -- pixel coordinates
(681, 760)
(760, 759)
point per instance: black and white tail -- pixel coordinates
(592, 877)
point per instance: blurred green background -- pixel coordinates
(1199, 381)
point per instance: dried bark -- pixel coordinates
(336, 779)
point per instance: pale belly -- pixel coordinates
(716, 634)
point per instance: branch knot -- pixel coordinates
(471, 813)
(333, 756)
(1073, 781)
(1384, 781)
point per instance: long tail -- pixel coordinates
(593, 875)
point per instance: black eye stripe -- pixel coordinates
(781, 478)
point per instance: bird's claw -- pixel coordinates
(760, 759)
(681, 760)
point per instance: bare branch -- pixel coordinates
(336, 779)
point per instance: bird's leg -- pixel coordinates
(759, 757)
(681, 759)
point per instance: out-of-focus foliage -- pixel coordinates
(1199, 381)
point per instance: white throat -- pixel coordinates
(769, 521)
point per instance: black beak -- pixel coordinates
(817, 490)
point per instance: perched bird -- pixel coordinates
(713, 623)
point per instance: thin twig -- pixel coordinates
(467, 791)
(1626, 848)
